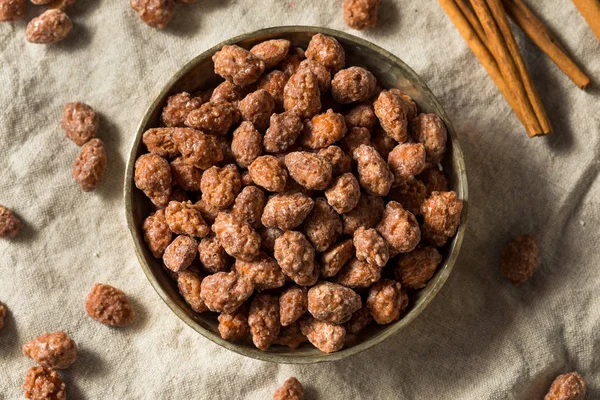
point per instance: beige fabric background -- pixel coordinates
(481, 338)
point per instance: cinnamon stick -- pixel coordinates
(590, 9)
(534, 98)
(507, 66)
(468, 13)
(533, 27)
(482, 53)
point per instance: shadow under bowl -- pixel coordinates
(198, 74)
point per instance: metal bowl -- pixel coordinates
(198, 74)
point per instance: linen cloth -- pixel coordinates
(481, 338)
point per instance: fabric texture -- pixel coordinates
(481, 338)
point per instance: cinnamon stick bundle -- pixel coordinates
(535, 29)
(507, 66)
(590, 9)
(534, 98)
(477, 45)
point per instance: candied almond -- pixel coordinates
(263, 271)
(159, 141)
(272, 52)
(302, 95)
(185, 176)
(10, 225)
(109, 305)
(246, 144)
(90, 165)
(184, 218)
(80, 122)
(11, 10)
(157, 234)
(367, 213)
(234, 326)
(225, 291)
(189, 284)
(326, 50)
(227, 92)
(340, 161)
(269, 173)
(257, 108)
(323, 130)
(238, 65)
(249, 205)
(50, 27)
(220, 186)
(441, 216)
(411, 194)
(180, 253)
(293, 304)
(358, 274)
(323, 335)
(359, 321)
(429, 129)
(416, 268)
(353, 84)
(289, 65)
(237, 237)
(207, 210)
(283, 132)
(213, 256)
(291, 336)
(213, 118)
(519, 259)
(434, 180)
(286, 211)
(569, 386)
(410, 103)
(274, 83)
(374, 174)
(43, 383)
(406, 160)
(178, 195)
(245, 178)
(53, 350)
(296, 257)
(386, 301)
(382, 142)
(399, 228)
(264, 320)
(361, 115)
(355, 137)
(323, 225)
(320, 72)
(392, 112)
(268, 237)
(333, 303)
(196, 148)
(155, 13)
(153, 177)
(344, 193)
(371, 247)
(336, 257)
(177, 109)
(291, 389)
(309, 170)
(360, 14)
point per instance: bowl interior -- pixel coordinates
(197, 75)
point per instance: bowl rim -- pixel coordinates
(129, 189)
